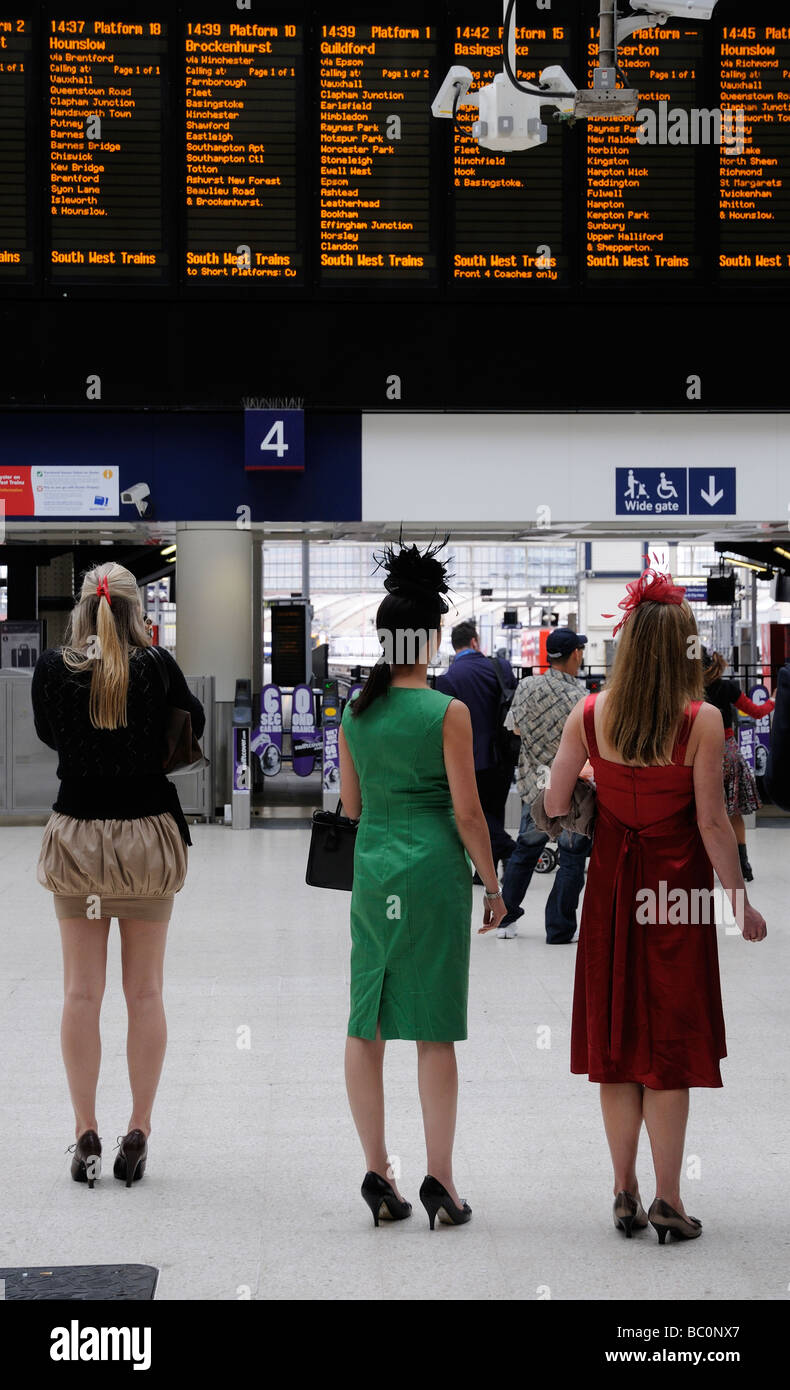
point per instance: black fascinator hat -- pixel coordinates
(414, 574)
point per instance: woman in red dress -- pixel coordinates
(647, 1015)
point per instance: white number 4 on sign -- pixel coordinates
(275, 440)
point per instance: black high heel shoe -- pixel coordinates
(666, 1221)
(86, 1163)
(383, 1200)
(746, 868)
(436, 1198)
(129, 1166)
(629, 1213)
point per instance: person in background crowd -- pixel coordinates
(472, 679)
(540, 707)
(740, 787)
(407, 772)
(115, 845)
(647, 1012)
(777, 773)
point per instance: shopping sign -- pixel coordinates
(273, 441)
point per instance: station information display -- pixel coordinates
(243, 161)
(754, 194)
(16, 44)
(192, 147)
(106, 85)
(508, 208)
(376, 88)
(642, 175)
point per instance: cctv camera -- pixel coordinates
(676, 9)
(452, 92)
(136, 496)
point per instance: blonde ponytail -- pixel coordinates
(106, 625)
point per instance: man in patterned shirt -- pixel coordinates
(540, 707)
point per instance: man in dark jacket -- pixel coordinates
(777, 778)
(473, 679)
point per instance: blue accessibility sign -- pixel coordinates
(712, 490)
(652, 491)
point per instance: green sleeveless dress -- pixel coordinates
(411, 904)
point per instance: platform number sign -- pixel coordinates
(273, 441)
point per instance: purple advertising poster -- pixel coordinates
(746, 740)
(331, 777)
(305, 738)
(762, 731)
(241, 759)
(267, 739)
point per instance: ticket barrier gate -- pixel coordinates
(241, 770)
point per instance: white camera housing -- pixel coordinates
(452, 92)
(677, 9)
(509, 119)
(136, 495)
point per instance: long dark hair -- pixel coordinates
(413, 607)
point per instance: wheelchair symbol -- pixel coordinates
(666, 490)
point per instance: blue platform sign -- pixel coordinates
(273, 440)
(712, 491)
(652, 491)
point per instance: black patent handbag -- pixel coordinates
(330, 862)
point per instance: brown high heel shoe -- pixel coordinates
(86, 1163)
(666, 1221)
(628, 1212)
(129, 1166)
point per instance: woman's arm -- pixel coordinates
(571, 756)
(38, 697)
(717, 833)
(755, 711)
(350, 793)
(459, 765)
(180, 696)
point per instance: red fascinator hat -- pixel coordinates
(652, 586)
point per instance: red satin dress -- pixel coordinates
(647, 998)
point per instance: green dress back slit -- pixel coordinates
(411, 903)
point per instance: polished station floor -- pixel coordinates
(252, 1188)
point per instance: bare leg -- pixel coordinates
(621, 1104)
(142, 957)
(437, 1076)
(365, 1087)
(666, 1114)
(84, 942)
(740, 829)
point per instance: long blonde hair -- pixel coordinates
(657, 672)
(100, 637)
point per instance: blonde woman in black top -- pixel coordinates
(115, 844)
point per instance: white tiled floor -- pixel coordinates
(253, 1182)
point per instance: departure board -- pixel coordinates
(754, 195)
(106, 83)
(376, 86)
(508, 208)
(15, 59)
(642, 174)
(243, 160)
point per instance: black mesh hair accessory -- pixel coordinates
(415, 574)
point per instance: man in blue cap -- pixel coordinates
(538, 713)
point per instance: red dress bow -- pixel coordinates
(103, 588)
(652, 586)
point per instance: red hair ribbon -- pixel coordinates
(652, 586)
(103, 588)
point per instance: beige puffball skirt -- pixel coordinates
(113, 868)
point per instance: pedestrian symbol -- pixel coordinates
(651, 491)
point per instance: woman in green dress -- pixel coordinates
(407, 771)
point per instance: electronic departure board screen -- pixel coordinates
(106, 87)
(244, 164)
(642, 176)
(754, 194)
(202, 150)
(508, 208)
(16, 44)
(376, 88)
